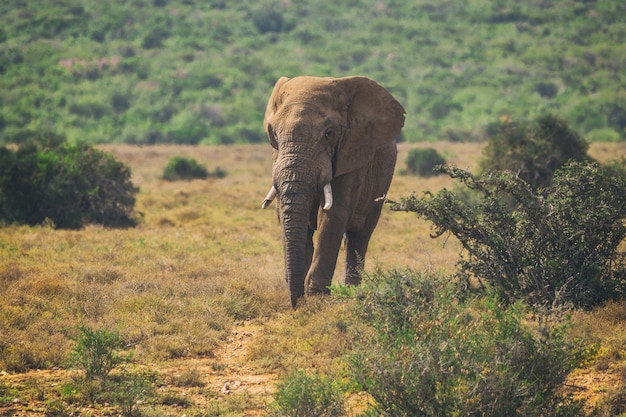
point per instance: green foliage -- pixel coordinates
(454, 67)
(301, 394)
(181, 168)
(533, 150)
(97, 353)
(429, 352)
(129, 392)
(7, 394)
(70, 185)
(422, 162)
(555, 246)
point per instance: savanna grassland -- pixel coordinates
(197, 294)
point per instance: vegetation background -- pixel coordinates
(202, 273)
(204, 259)
(186, 71)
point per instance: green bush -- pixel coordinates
(422, 162)
(268, 20)
(129, 391)
(71, 185)
(300, 394)
(96, 353)
(428, 352)
(559, 245)
(534, 150)
(181, 168)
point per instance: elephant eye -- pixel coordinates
(328, 133)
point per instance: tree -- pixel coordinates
(533, 150)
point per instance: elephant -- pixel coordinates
(334, 155)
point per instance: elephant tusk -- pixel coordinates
(328, 197)
(269, 197)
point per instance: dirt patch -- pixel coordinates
(229, 373)
(226, 375)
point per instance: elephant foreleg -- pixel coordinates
(327, 247)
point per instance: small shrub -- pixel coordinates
(268, 21)
(181, 168)
(300, 394)
(155, 38)
(96, 353)
(190, 378)
(533, 150)
(546, 89)
(430, 352)
(614, 403)
(7, 394)
(130, 391)
(422, 162)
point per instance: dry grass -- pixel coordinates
(205, 257)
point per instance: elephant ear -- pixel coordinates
(374, 120)
(270, 110)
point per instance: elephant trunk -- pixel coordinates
(299, 180)
(295, 217)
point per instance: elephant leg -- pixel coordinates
(329, 237)
(356, 249)
(357, 243)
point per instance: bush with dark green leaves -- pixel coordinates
(427, 351)
(559, 245)
(181, 168)
(422, 162)
(71, 185)
(534, 150)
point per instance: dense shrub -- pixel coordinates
(71, 185)
(301, 394)
(616, 115)
(557, 245)
(422, 162)
(534, 150)
(427, 352)
(546, 89)
(181, 168)
(268, 20)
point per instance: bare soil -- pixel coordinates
(230, 373)
(227, 373)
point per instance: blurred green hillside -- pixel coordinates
(195, 71)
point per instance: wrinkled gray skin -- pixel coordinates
(330, 135)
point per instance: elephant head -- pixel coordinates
(334, 151)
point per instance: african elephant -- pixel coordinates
(334, 156)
